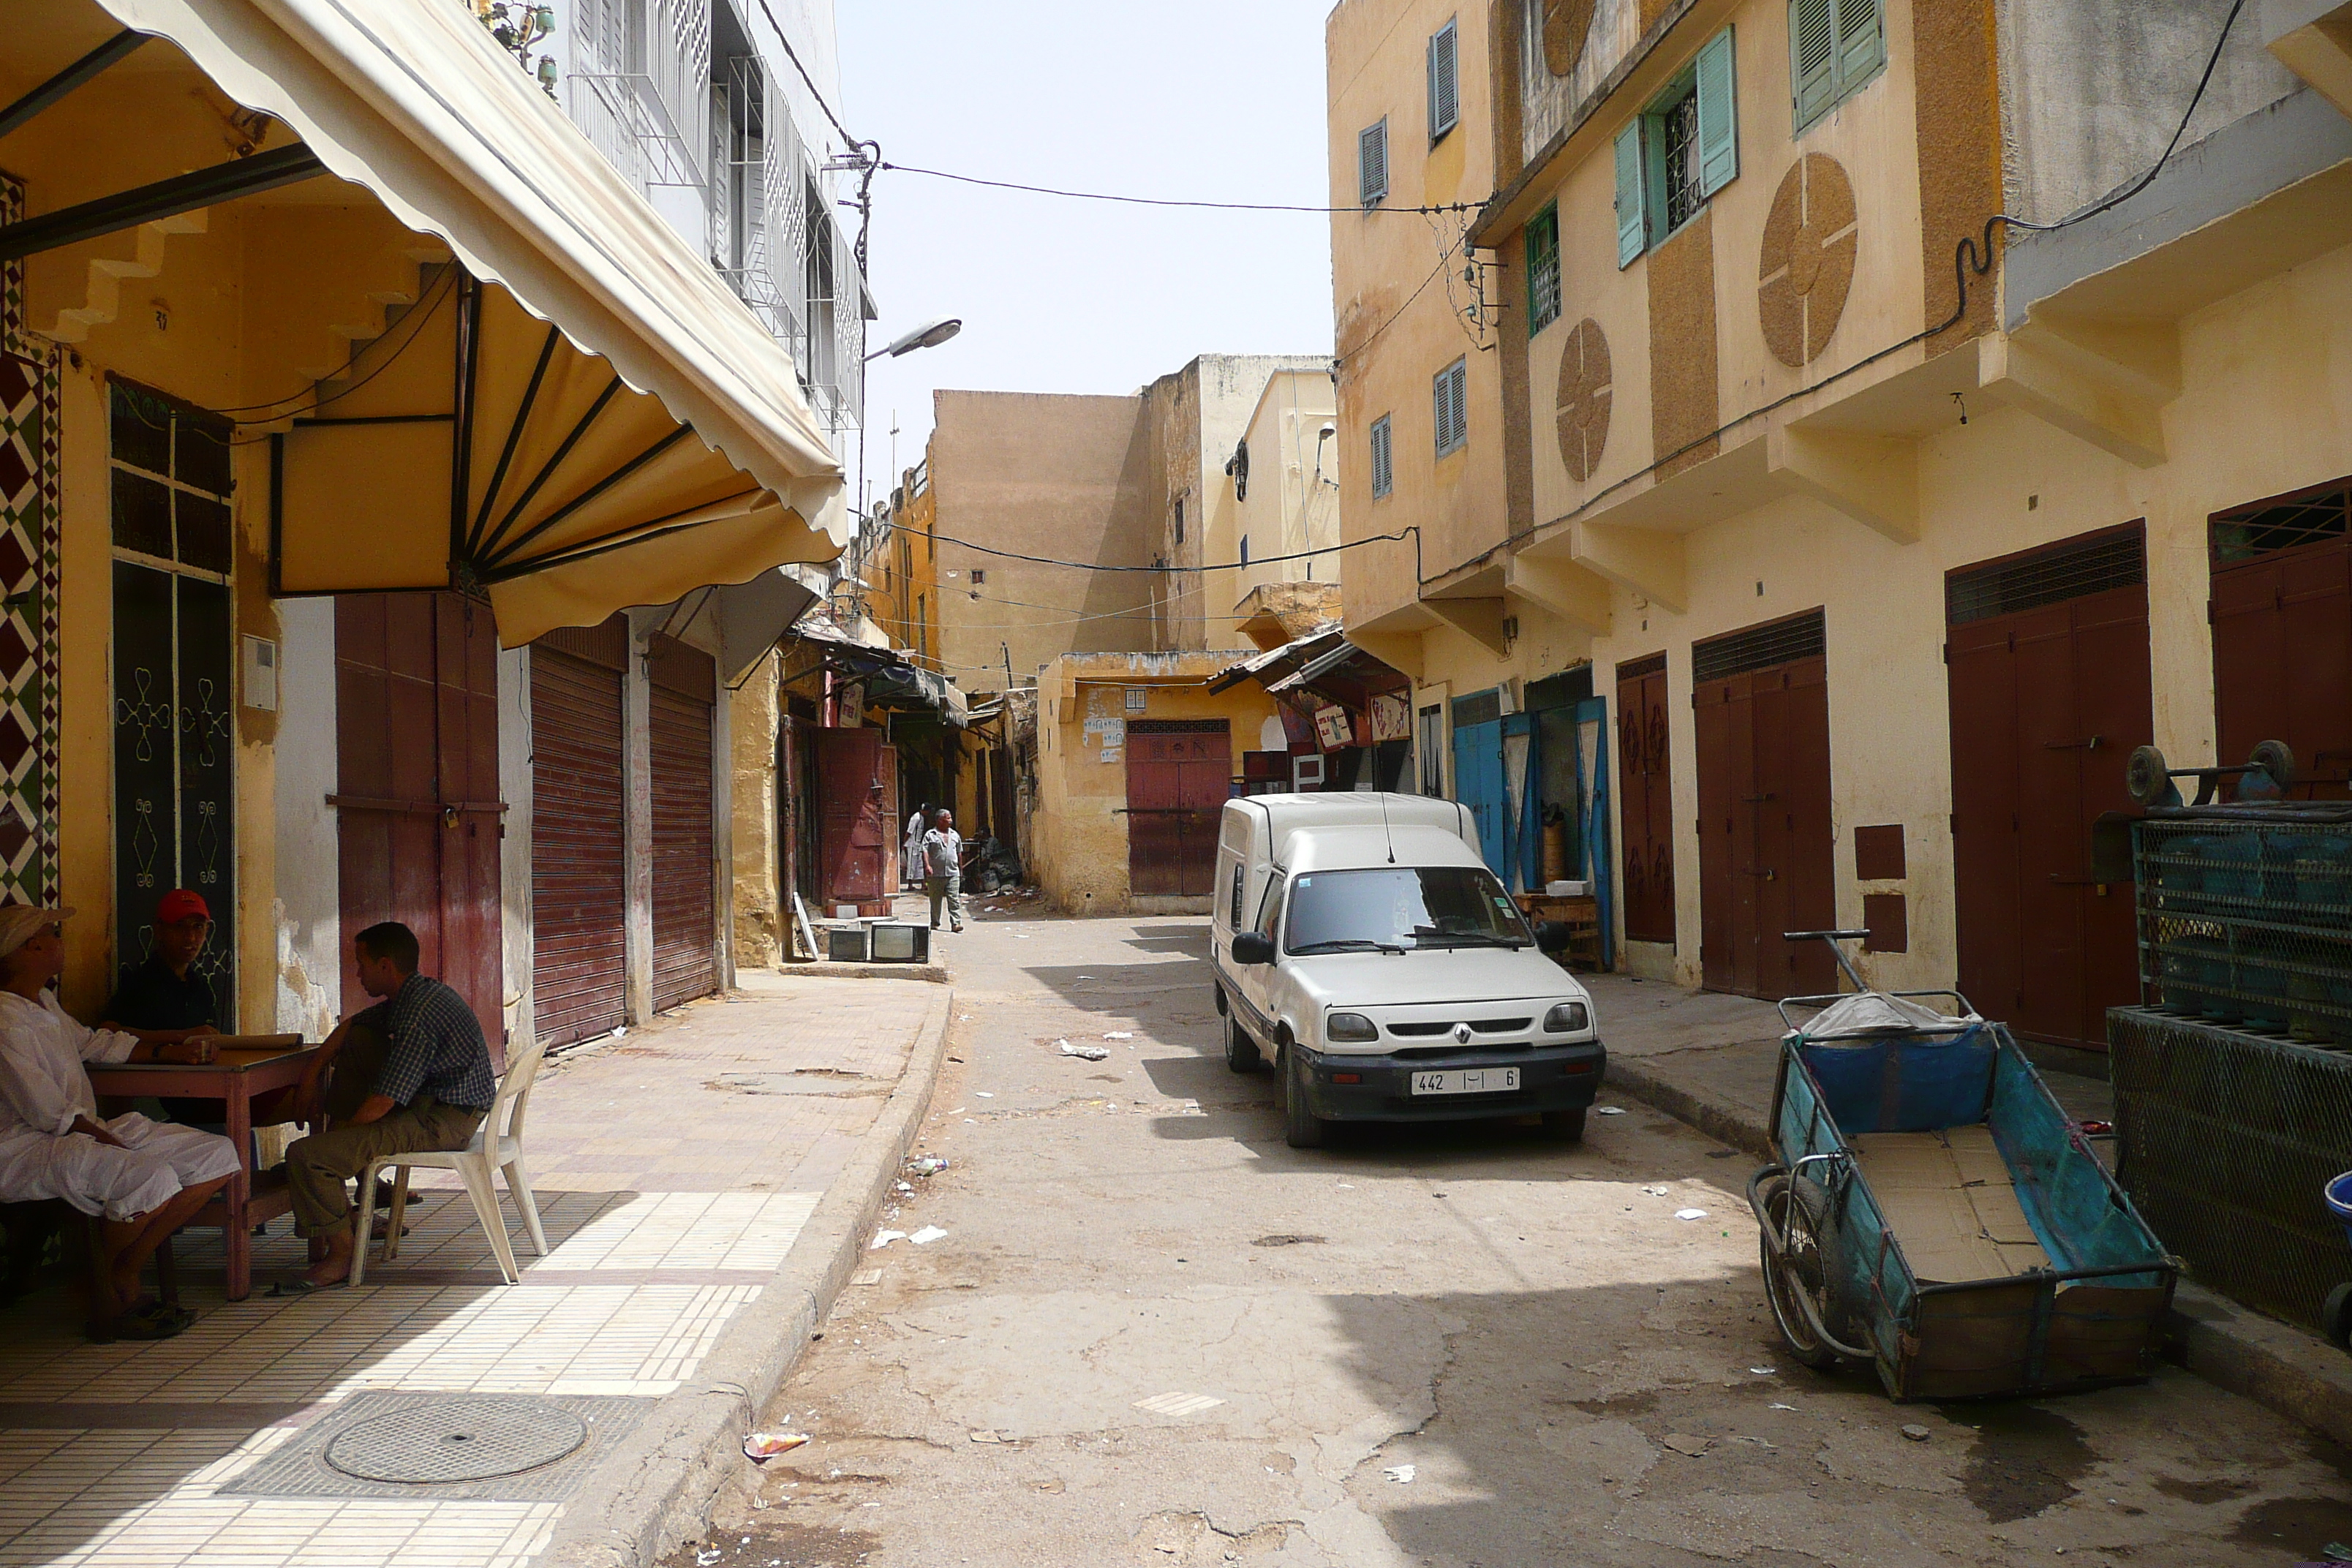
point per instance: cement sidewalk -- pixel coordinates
(704, 1182)
(1709, 1060)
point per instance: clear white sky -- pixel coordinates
(1208, 99)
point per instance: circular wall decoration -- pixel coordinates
(1565, 25)
(1807, 266)
(1583, 399)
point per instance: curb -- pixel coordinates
(2284, 1369)
(656, 1488)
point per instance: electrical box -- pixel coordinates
(261, 674)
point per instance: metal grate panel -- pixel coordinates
(2227, 1143)
(1760, 648)
(2283, 522)
(2051, 576)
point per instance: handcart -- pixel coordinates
(1933, 1211)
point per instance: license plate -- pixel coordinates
(1468, 1081)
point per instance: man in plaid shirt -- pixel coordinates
(410, 1073)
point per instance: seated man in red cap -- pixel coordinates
(146, 1178)
(168, 992)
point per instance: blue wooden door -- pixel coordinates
(1478, 784)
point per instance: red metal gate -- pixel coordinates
(1646, 799)
(683, 686)
(1179, 774)
(1766, 859)
(578, 887)
(2281, 614)
(2050, 692)
(419, 818)
(853, 839)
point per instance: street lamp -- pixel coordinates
(928, 336)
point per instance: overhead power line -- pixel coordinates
(1165, 201)
(1161, 571)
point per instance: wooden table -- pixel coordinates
(1581, 915)
(246, 1067)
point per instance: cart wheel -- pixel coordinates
(1801, 1272)
(2335, 1317)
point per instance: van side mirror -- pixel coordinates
(1253, 947)
(1553, 936)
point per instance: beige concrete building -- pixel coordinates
(1886, 552)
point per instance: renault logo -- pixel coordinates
(1461, 1034)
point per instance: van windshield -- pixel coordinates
(1398, 907)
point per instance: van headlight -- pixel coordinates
(1350, 1026)
(1567, 1018)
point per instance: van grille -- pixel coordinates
(1433, 1053)
(1479, 1025)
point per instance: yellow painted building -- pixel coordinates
(1886, 550)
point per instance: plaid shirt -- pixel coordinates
(435, 1048)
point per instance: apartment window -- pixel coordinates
(1450, 398)
(1372, 162)
(1383, 458)
(1678, 152)
(1430, 742)
(1836, 47)
(979, 576)
(1445, 81)
(923, 624)
(1543, 270)
(1180, 519)
(1244, 549)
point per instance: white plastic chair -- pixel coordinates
(497, 1146)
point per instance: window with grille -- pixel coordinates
(2283, 522)
(1450, 401)
(1760, 647)
(2067, 570)
(1445, 81)
(1678, 152)
(1835, 49)
(1383, 458)
(1543, 270)
(1372, 162)
(979, 576)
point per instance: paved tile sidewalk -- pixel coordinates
(673, 1166)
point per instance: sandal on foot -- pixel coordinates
(298, 1286)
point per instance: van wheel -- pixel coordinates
(1241, 1051)
(1564, 1126)
(1300, 1128)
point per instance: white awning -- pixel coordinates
(413, 102)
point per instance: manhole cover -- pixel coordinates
(458, 1440)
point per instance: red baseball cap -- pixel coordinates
(178, 905)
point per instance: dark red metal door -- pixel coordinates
(419, 818)
(1765, 851)
(1645, 796)
(683, 686)
(577, 883)
(1177, 779)
(853, 839)
(2283, 660)
(2047, 701)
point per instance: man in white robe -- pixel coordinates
(146, 1179)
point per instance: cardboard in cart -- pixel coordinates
(1951, 1204)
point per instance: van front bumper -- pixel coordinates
(1551, 1078)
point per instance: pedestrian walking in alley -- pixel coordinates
(911, 864)
(942, 861)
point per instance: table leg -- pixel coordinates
(239, 1238)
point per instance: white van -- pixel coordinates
(1362, 947)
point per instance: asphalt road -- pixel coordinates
(1153, 1334)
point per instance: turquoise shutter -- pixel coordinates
(1719, 116)
(1632, 228)
(1813, 57)
(1861, 43)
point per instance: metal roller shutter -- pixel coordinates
(686, 918)
(577, 883)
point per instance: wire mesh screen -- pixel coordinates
(1760, 647)
(2228, 1142)
(2066, 571)
(2306, 517)
(2246, 919)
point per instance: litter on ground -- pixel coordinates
(883, 1238)
(1401, 1474)
(1684, 1444)
(766, 1445)
(928, 1234)
(1607, 1110)
(1655, 1192)
(1763, 1371)
(930, 1164)
(1118, 1034)
(1690, 1214)
(1090, 1053)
